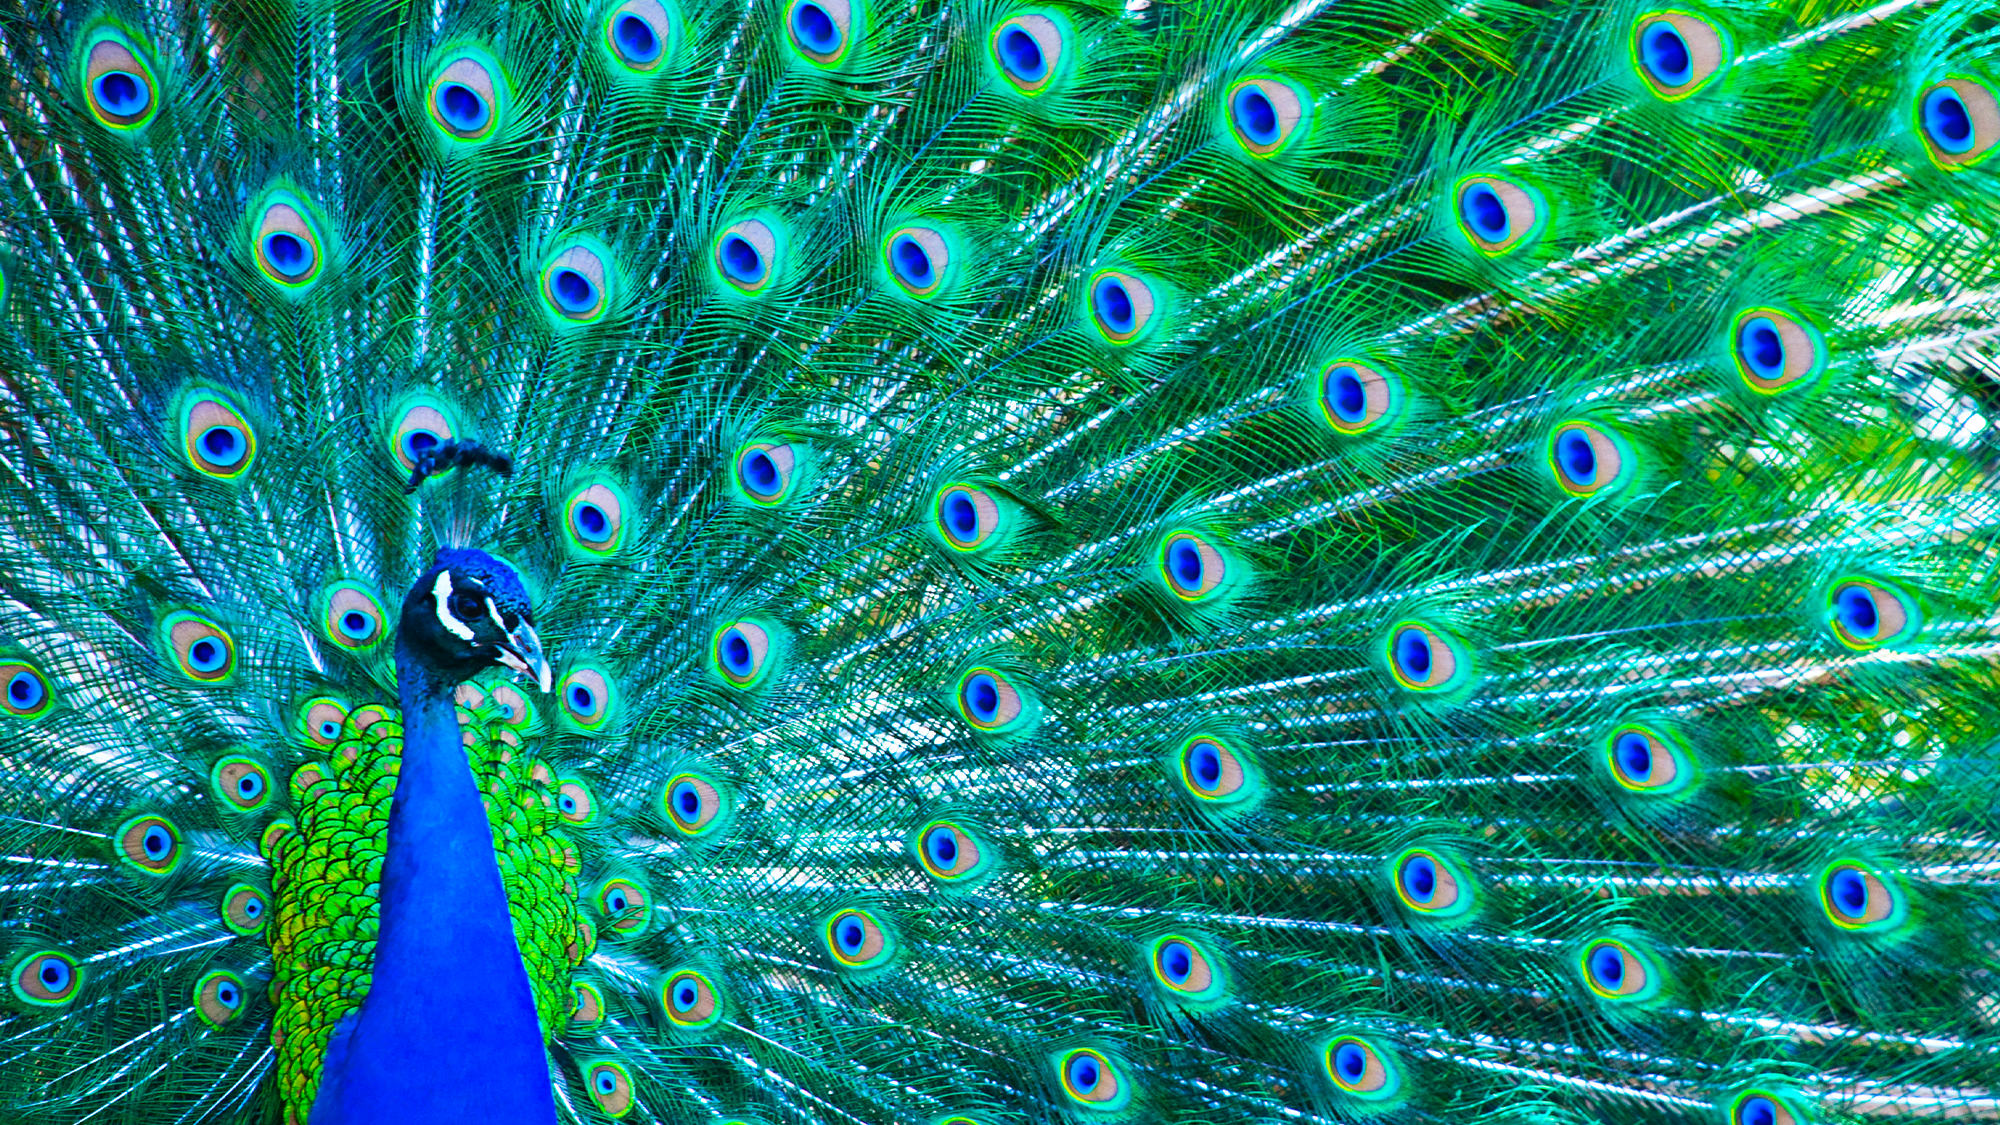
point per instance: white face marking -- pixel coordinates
(442, 592)
(493, 611)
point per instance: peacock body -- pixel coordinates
(1195, 561)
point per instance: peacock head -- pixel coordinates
(469, 612)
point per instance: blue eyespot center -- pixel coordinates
(1757, 1111)
(1022, 56)
(253, 908)
(1255, 116)
(1578, 459)
(1848, 891)
(1205, 765)
(740, 260)
(1113, 303)
(941, 846)
(566, 803)
(1665, 54)
(582, 698)
(982, 697)
(287, 253)
(814, 28)
(122, 94)
(736, 655)
(573, 291)
(1347, 396)
(913, 265)
(592, 524)
(1350, 1061)
(417, 443)
(685, 995)
(1177, 961)
(1635, 755)
(1084, 1072)
(1481, 207)
(223, 445)
(850, 935)
(356, 625)
(607, 1082)
(1420, 878)
(635, 39)
(461, 107)
(1607, 967)
(156, 842)
(1947, 122)
(617, 902)
(250, 784)
(1762, 349)
(687, 799)
(226, 994)
(206, 655)
(1184, 563)
(961, 519)
(1413, 654)
(25, 690)
(760, 473)
(1858, 612)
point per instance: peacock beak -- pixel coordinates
(522, 651)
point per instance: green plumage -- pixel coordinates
(1205, 561)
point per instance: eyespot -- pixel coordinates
(1029, 50)
(857, 940)
(573, 282)
(624, 905)
(1121, 306)
(610, 1086)
(354, 617)
(323, 721)
(245, 910)
(310, 781)
(464, 99)
(1362, 1069)
(1616, 971)
(1866, 615)
(1959, 120)
(638, 31)
(1775, 352)
(746, 253)
(46, 978)
(288, 249)
(693, 802)
(1586, 460)
(575, 803)
(149, 843)
(1856, 897)
(1181, 966)
(764, 470)
(947, 851)
(586, 697)
(589, 1005)
(203, 651)
(217, 440)
(1649, 761)
(1424, 659)
(1761, 1107)
(242, 784)
(1356, 398)
(220, 998)
(1191, 566)
(739, 652)
(690, 1000)
(1090, 1078)
(119, 83)
(821, 31)
(1677, 53)
(1267, 114)
(967, 517)
(1498, 216)
(514, 708)
(422, 428)
(595, 516)
(987, 700)
(28, 694)
(1429, 884)
(1210, 769)
(918, 260)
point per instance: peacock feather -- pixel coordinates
(972, 562)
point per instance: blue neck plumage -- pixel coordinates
(449, 1031)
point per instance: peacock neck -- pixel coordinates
(449, 1030)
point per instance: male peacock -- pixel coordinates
(1196, 561)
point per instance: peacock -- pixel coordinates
(987, 562)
